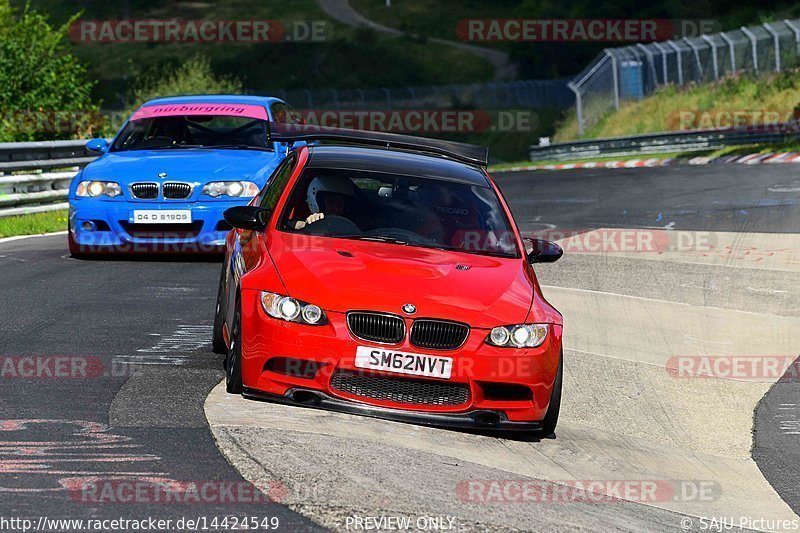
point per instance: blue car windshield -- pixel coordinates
(193, 131)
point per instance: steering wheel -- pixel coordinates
(156, 142)
(332, 225)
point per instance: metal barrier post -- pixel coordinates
(696, 56)
(796, 31)
(615, 77)
(680, 60)
(664, 52)
(750, 35)
(775, 38)
(650, 62)
(714, 62)
(732, 49)
(578, 106)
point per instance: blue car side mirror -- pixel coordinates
(99, 146)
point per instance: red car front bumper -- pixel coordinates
(490, 387)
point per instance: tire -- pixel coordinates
(550, 419)
(233, 361)
(74, 249)
(218, 345)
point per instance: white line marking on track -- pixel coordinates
(755, 289)
(574, 289)
(173, 349)
(19, 237)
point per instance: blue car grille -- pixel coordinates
(177, 191)
(145, 191)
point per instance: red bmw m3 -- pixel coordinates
(384, 275)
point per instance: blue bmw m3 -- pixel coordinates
(162, 184)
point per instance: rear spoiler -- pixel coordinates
(466, 153)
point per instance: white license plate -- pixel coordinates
(162, 216)
(403, 362)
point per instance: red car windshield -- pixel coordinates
(193, 131)
(405, 210)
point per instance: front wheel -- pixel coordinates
(74, 248)
(218, 345)
(233, 361)
(551, 417)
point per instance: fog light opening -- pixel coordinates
(88, 225)
(488, 418)
(305, 397)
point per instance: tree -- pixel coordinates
(45, 92)
(194, 76)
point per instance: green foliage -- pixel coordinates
(193, 76)
(43, 88)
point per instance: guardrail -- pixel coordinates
(661, 143)
(35, 176)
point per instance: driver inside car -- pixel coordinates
(327, 196)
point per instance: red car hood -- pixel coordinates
(343, 275)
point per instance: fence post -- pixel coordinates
(776, 40)
(614, 77)
(680, 60)
(696, 57)
(650, 62)
(732, 49)
(714, 62)
(578, 107)
(796, 31)
(754, 42)
(663, 60)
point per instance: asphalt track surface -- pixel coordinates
(146, 325)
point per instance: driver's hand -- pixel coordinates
(313, 217)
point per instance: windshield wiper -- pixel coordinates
(376, 238)
(170, 147)
(241, 147)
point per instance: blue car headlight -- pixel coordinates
(518, 336)
(236, 189)
(98, 188)
(287, 308)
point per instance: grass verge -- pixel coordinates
(33, 224)
(740, 150)
(735, 100)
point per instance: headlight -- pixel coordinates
(99, 188)
(287, 308)
(237, 189)
(519, 336)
